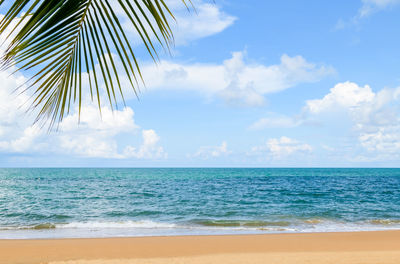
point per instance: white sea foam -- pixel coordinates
(107, 225)
(152, 228)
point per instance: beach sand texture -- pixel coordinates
(351, 247)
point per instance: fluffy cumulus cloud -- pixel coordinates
(22, 143)
(374, 116)
(344, 95)
(15, 136)
(367, 109)
(207, 152)
(236, 81)
(281, 148)
(385, 141)
(94, 136)
(148, 149)
(366, 124)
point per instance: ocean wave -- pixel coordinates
(214, 225)
(122, 224)
(32, 227)
(146, 224)
(385, 222)
(313, 221)
(133, 213)
(44, 226)
(240, 223)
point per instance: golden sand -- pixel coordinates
(322, 248)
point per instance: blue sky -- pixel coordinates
(249, 84)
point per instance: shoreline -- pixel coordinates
(367, 246)
(200, 235)
(160, 229)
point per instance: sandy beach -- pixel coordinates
(350, 247)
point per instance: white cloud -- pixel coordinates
(365, 108)
(364, 124)
(22, 143)
(16, 131)
(110, 122)
(361, 104)
(207, 152)
(375, 117)
(347, 95)
(235, 80)
(372, 6)
(275, 122)
(149, 148)
(90, 146)
(384, 140)
(206, 20)
(280, 148)
(367, 8)
(95, 135)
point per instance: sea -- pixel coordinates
(88, 202)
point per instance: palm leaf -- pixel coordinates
(61, 40)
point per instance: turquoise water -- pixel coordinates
(48, 203)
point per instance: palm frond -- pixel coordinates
(61, 40)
